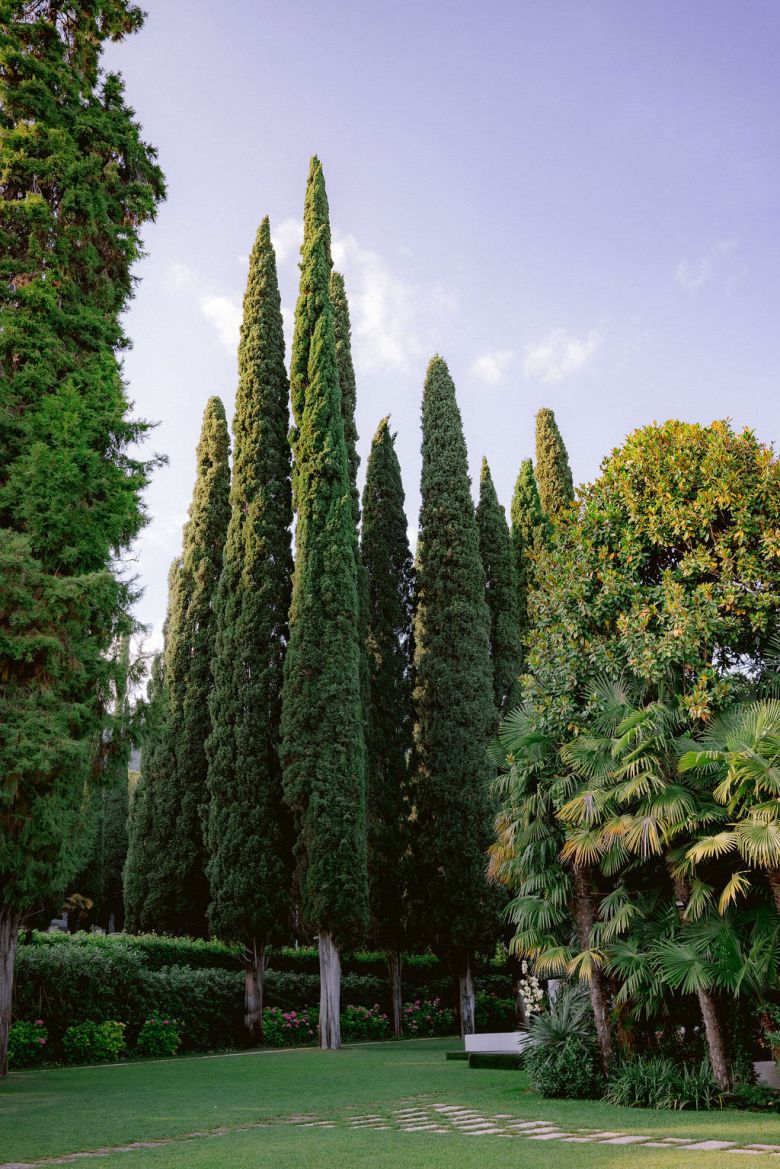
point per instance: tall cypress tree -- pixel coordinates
(387, 562)
(177, 900)
(528, 534)
(323, 748)
(249, 841)
(77, 185)
(501, 594)
(553, 473)
(454, 710)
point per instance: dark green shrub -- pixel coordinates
(154, 951)
(426, 1018)
(27, 1044)
(159, 1037)
(571, 1070)
(656, 1082)
(359, 1024)
(754, 1098)
(209, 1005)
(289, 1028)
(493, 1013)
(94, 1042)
(497, 1060)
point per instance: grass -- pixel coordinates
(59, 1111)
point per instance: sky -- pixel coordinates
(575, 202)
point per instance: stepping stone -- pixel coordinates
(750, 1152)
(677, 1140)
(763, 1148)
(547, 1136)
(602, 1136)
(626, 1139)
(419, 1128)
(482, 1132)
(503, 1116)
(578, 1140)
(710, 1146)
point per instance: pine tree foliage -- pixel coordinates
(323, 749)
(553, 473)
(528, 534)
(454, 709)
(178, 895)
(495, 547)
(390, 577)
(347, 384)
(249, 845)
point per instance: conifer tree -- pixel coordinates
(177, 899)
(454, 710)
(495, 547)
(248, 837)
(553, 473)
(387, 562)
(323, 748)
(77, 184)
(528, 535)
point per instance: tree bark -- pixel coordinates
(394, 967)
(9, 932)
(773, 877)
(585, 916)
(330, 993)
(466, 997)
(254, 978)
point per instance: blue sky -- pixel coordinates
(574, 201)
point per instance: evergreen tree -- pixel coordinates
(323, 748)
(528, 534)
(249, 840)
(495, 546)
(387, 562)
(454, 710)
(77, 183)
(553, 473)
(177, 898)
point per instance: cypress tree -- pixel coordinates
(387, 561)
(177, 900)
(553, 473)
(496, 550)
(249, 841)
(77, 184)
(528, 535)
(323, 748)
(454, 710)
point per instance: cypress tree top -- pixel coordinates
(528, 533)
(313, 295)
(501, 591)
(342, 329)
(454, 707)
(247, 833)
(553, 473)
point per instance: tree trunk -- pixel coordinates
(521, 1013)
(585, 916)
(330, 993)
(773, 877)
(394, 966)
(466, 997)
(716, 1046)
(254, 976)
(9, 932)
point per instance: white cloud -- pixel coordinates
(558, 355)
(224, 314)
(491, 367)
(693, 274)
(287, 239)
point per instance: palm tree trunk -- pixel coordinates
(585, 917)
(9, 932)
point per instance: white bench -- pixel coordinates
(494, 1041)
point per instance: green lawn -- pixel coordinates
(50, 1113)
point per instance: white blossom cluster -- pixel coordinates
(531, 991)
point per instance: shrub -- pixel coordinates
(94, 1042)
(494, 1013)
(154, 951)
(289, 1028)
(159, 1037)
(427, 1017)
(561, 1057)
(26, 1043)
(364, 1023)
(656, 1082)
(754, 1098)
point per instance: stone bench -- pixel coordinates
(495, 1041)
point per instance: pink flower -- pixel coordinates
(41, 1041)
(39, 1022)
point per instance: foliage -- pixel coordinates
(363, 1024)
(657, 1082)
(387, 562)
(248, 831)
(453, 688)
(493, 1012)
(289, 1028)
(571, 1070)
(501, 593)
(553, 473)
(154, 951)
(323, 747)
(159, 1037)
(427, 1017)
(753, 1098)
(26, 1043)
(94, 1042)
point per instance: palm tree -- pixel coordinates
(740, 756)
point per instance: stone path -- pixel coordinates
(426, 1116)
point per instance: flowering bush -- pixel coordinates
(94, 1042)
(159, 1037)
(531, 990)
(363, 1023)
(427, 1017)
(26, 1043)
(493, 1012)
(289, 1028)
